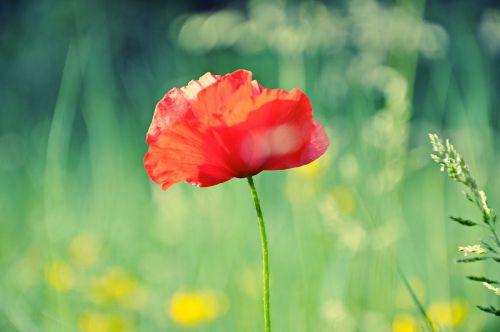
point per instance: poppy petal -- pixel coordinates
(314, 148)
(176, 105)
(276, 132)
(185, 153)
(218, 100)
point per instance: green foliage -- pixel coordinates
(447, 157)
(490, 309)
(472, 259)
(86, 238)
(482, 279)
(462, 221)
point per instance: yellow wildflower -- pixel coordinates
(92, 321)
(194, 308)
(316, 168)
(447, 313)
(310, 170)
(114, 286)
(84, 250)
(59, 276)
(119, 323)
(344, 199)
(404, 323)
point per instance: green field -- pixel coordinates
(89, 243)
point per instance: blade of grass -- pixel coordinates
(417, 302)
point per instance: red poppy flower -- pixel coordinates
(222, 127)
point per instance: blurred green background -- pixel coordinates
(88, 243)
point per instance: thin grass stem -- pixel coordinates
(417, 302)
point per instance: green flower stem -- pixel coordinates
(265, 255)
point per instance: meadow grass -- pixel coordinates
(88, 243)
